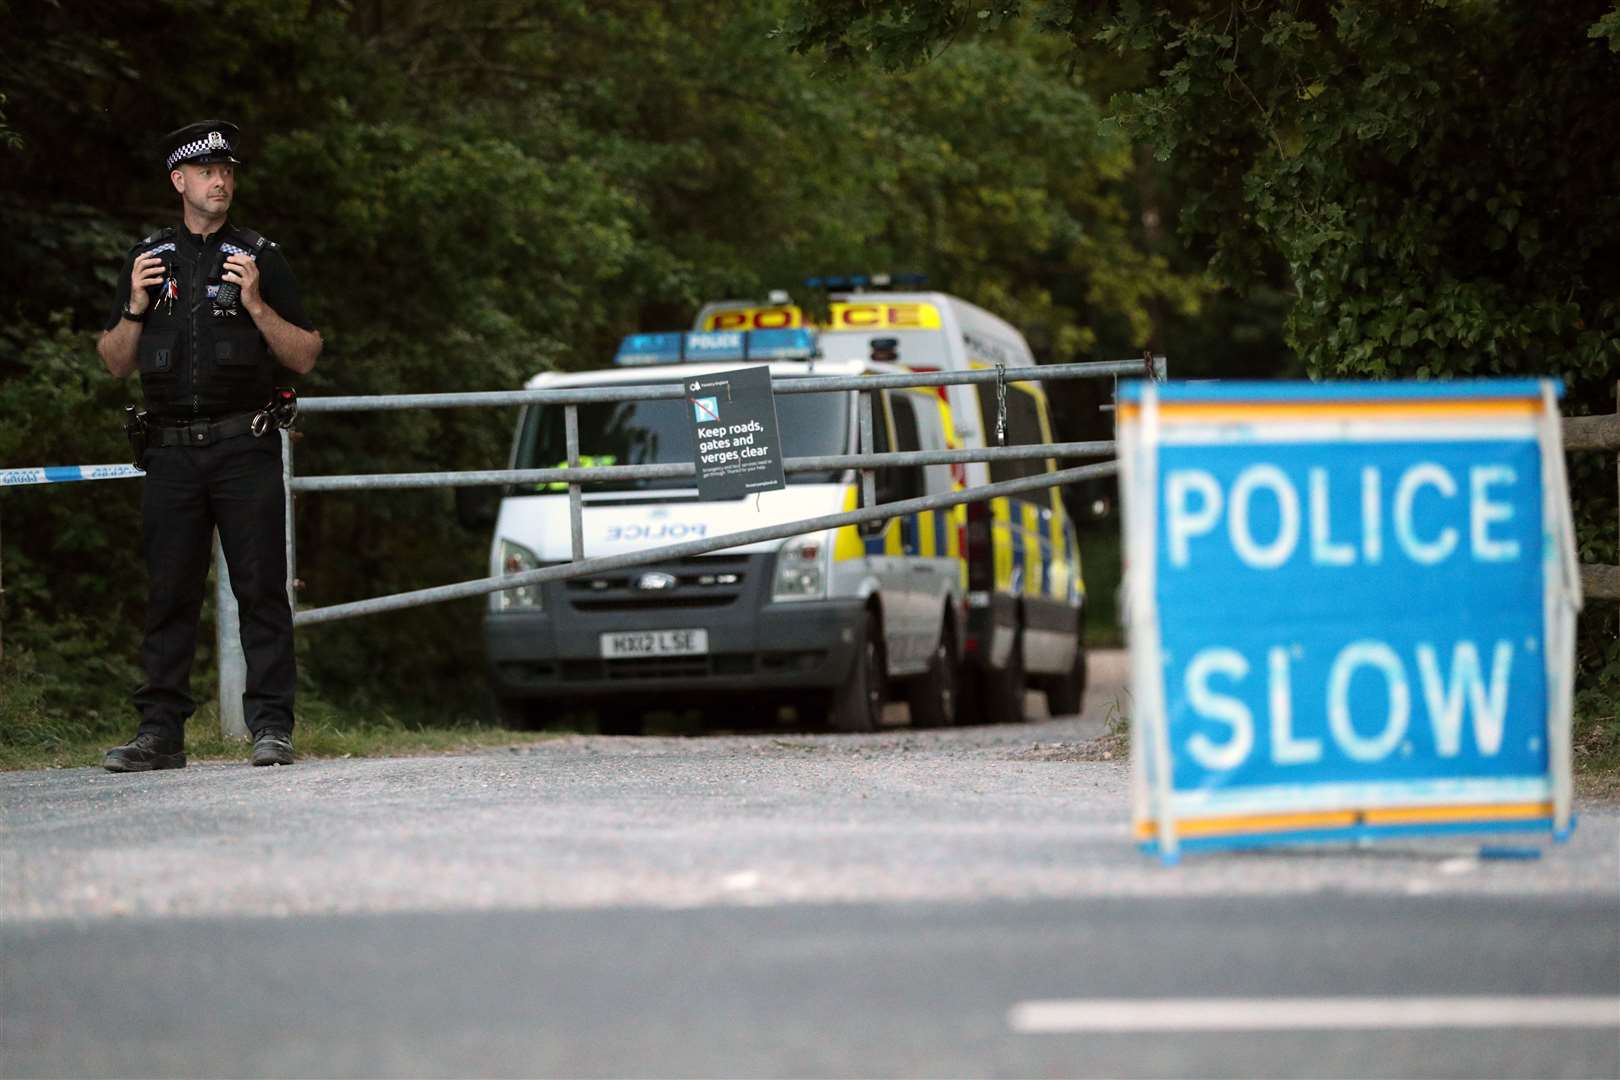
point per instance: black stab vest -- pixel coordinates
(196, 359)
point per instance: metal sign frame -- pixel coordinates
(1214, 419)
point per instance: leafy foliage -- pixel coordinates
(1438, 176)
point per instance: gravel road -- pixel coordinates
(985, 813)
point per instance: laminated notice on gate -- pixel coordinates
(739, 451)
(1351, 610)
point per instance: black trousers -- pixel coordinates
(233, 485)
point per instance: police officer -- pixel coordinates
(206, 310)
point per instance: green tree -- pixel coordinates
(1438, 177)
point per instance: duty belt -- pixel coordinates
(200, 432)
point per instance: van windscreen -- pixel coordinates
(660, 433)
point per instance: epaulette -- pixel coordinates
(163, 235)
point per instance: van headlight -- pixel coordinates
(802, 569)
(515, 559)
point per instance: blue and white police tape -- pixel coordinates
(66, 474)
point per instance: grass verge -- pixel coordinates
(370, 737)
(37, 732)
(1596, 735)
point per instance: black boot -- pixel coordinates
(272, 747)
(146, 752)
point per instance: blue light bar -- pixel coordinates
(672, 348)
(639, 349)
(795, 344)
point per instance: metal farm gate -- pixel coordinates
(232, 667)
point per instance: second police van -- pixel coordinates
(955, 610)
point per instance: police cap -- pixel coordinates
(201, 143)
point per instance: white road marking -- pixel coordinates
(1312, 1014)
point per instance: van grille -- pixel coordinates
(700, 582)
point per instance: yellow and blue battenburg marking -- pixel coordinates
(1029, 544)
(1031, 551)
(927, 533)
(1353, 609)
(1034, 558)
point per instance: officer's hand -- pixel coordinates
(245, 272)
(147, 273)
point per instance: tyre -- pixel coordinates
(1066, 693)
(1004, 688)
(935, 698)
(858, 704)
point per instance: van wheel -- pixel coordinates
(1066, 693)
(858, 704)
(935, 699)
(1004, 689)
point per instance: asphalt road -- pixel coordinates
(961, 902)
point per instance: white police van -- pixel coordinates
(1024, 623)
(830, 621)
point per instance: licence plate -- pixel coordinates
(630, 643)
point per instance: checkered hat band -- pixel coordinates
(194, 148)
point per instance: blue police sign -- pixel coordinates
(1351, 610)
